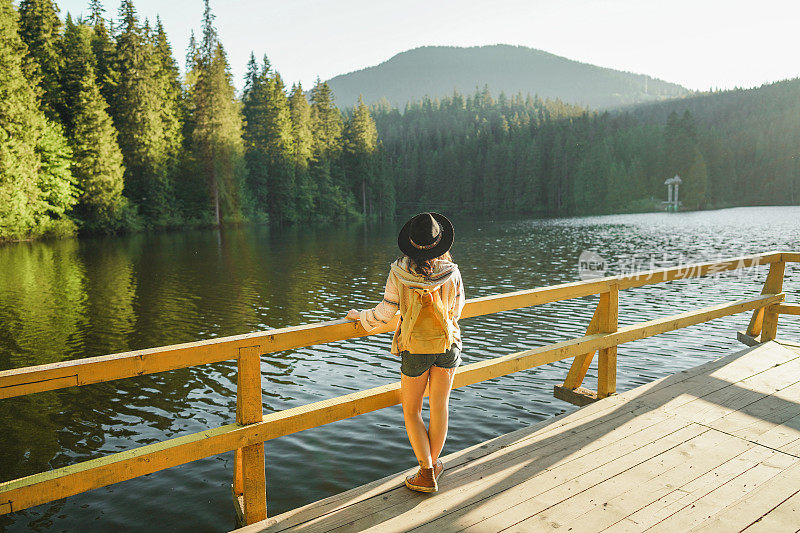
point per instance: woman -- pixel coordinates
(425, 286)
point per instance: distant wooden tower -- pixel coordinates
(672, 184)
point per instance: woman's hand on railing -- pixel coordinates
(352, 314)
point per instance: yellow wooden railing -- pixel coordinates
(253, 427)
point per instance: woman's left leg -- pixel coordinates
(440, 384)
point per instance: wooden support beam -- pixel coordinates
(746, 339)
(238, 481)
(44, 487)
(607, 357)
(580, 365)
(788, 309)
(579, 396)
(772, 285)
(756, 321)
(249, 473)
(238, 503)
(28, 380)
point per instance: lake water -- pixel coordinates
(80, 298)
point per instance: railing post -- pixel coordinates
(769, 328)
(249, 478)
(773, 285)
(607, 357)
(580, 365)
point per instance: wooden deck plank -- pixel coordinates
(788, 343)
(740, 489)
(589, 510)
(496, 471)
(739, 396)
(585, 418)
(753, 361)
(792, 447)
(622, 403)
(481, 488)
(743, 512)
(691, 450)
(682, 495)
(784, 517)
(622, 497)
(565, 475)
(772, 421)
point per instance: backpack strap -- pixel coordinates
(439, 311)
(407, 325)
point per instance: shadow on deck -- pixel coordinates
(715, 447)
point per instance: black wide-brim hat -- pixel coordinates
(426, 236)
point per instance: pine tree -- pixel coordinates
(190, 80)
(168, 71)
(40, 29)
(695, 183)
(254, 109)
(73, 72)
(302, 150)
(35, 182)
(146, 111)
(188, 153)
(325, 169)
(281, 185)
(384, 185)
(268, 140)
(56, 179)
(172, 115)
(617, 192)
(217, 125)
(105, 52)
(360, 146)
(326, 120)
(679, 144)
(97, 160)
(96, 11)
(148, 126)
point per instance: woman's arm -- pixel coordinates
(381, 313)
(460, 299)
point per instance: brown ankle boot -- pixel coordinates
(438, 468)
(422, 481)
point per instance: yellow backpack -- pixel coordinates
(427, 327)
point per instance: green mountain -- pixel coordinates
(437, 71)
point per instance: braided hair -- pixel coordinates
(425, 268)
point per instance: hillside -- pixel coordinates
(438, 70)
(523, 156)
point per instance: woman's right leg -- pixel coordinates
(411, 392)
(441, 383)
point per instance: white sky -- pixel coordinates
(700, 44)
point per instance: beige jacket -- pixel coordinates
(398, 291)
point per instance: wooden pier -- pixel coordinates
(732, 420)
(714, 448)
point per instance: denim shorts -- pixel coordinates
(416, 364)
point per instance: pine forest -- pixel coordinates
(100, 132)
